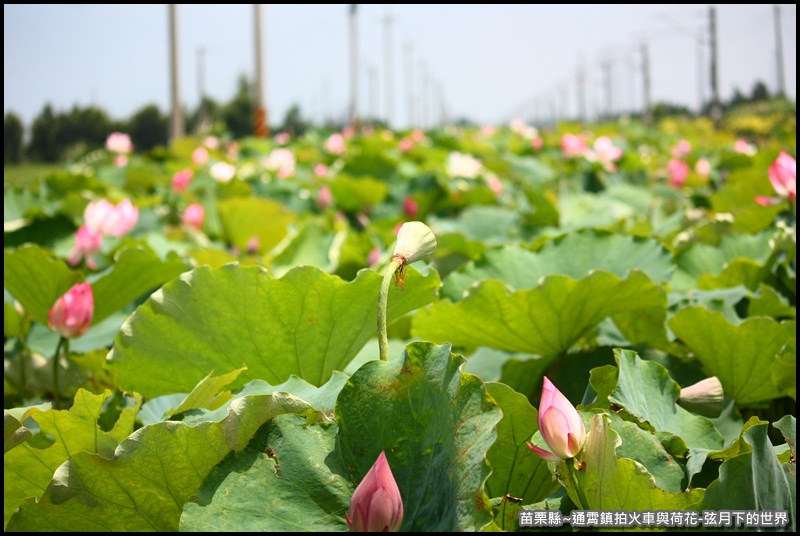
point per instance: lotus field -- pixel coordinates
(454, 330)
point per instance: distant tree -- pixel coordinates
(13, 132)
(238, 113)
(667, 109)
(293, 122)
(737, 99)
(45, 145)
(84, 127)
(760, 92)
(148, 128)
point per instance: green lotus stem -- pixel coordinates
(383, 300)
(573, 476)
(62, 343)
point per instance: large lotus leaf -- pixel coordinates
(357, 194)
(548, 319)
(610, 482)
(740, 356)
(289, 479)
(311, 246)
(27, 469)
(516, 470)
(151, 475)
(136, 271)
(645, 390)
(707, 260)
(247, 217)
(784, 369)
(307, 323)
(36, 279)
(436, 425)
(756, 479)
(208, 394)
(737, 197)
(573, 255)
(491, 225)
(13, 432)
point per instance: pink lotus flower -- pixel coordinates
(349, 132)
(487, 131)
(572, 145)
(495, 185)
(282, 162)
(405, 144)
(463, 165)
(111, 220)
(743, 147)
(605, 152)
(324, 197)
(410, 208)
(376, 505)
(87, 244)
(72, 313)
(783, 176)
(121, 160)
(117, 142)
(222, 171)
(282, 138)
(537, 142)
(677, 172)
(212, 142)
(417, 136)
(321, 170)
(560, 425)
(193, 216)
(682, 149)
(335, 144)
(200, 156)
(703, 167)
(181, 180)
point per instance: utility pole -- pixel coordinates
(201, 86)
(261, 124)
(776, 11)
(353, 64)
(410, 85)
(388, 68)
(176, 117)
(716, 108)
(646, 95)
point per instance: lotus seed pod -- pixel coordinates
(415, 241)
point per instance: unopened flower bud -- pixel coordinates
(415, 241)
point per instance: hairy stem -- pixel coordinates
(63, 343)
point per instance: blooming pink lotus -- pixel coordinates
(677, 171)
(87, 244)
(560, 425)
(743, 147)
(703, 167)
(605, 152)
(113, 220)
(282, 162)
(118, 142)
(376, 505)
(200, 156)
(181, 180)
(335, 144)
(405, 144)
(783, 176)
(572, 145)
(72, 313)
(193, 216)
(681, 149)
(321, 170)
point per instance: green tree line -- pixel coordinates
(56, 136)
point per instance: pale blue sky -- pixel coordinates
(492, 62)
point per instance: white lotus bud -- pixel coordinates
(415, 241)
(704, 397)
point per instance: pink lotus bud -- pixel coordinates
(703, 167)
(193, 216)
(282, 162)
(117, 142)
(677, 171)
(321, 170)
(121, 160)
(537, 142)
(200, 156)
(560, 425)
(417, 135)
(181, 180)
(253, 245)
(212, 142)
(704, 397)
(406, 144)
(282, 138)
(605, 152)
(72, 313)
(324, 197)
(349, 132)
(376, 505)
(335, 144)
(572, 145)
(682, 149)
(765, 201)
(495, 185)
(410, 207)
(742, 147)
(783, 176)
(487, 131)
(87, 243)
